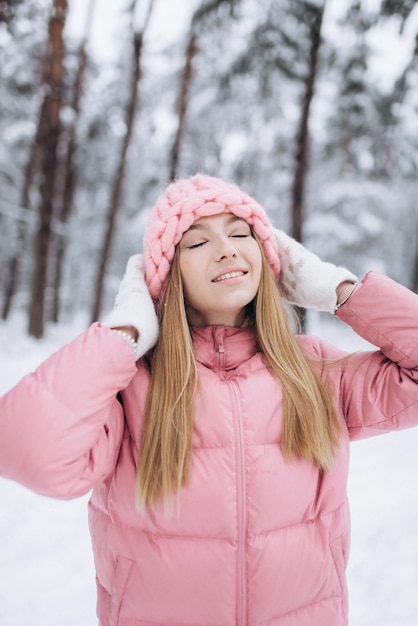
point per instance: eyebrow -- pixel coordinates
(230, 220)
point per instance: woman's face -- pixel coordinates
(220, 265)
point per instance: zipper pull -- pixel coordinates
(219, 334)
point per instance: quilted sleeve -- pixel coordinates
(379, 389)
(61, 426)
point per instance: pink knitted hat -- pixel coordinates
(184, 202)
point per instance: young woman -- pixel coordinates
(214, 440)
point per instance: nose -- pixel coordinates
(225, 248)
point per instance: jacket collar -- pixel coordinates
(223, 347)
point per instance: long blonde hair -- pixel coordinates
(310, 424)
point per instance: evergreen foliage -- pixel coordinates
(226, 97)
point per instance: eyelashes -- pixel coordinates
(202, 243)
(196, 245)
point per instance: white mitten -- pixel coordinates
(305, 280)
(134, 306)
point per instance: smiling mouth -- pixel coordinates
(228, 275)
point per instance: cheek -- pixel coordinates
(258, 279)
(188, 275)
(257, 270)
(256, 262)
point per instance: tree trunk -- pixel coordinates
(203, 11)
(70, 173)
(302, 137)
(116, 193)
(182, 105)
(53, 82)
(14, 263)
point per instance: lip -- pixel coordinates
(230, 270)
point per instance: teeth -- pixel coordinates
(229, 275)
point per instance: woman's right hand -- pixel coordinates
(134, 311)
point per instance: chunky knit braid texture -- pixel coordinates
(184, 202)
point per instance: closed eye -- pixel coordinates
(196, 245)
(247, 235)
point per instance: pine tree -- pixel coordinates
(51, 129)
(117, 186)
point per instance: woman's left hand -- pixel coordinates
(306, 280)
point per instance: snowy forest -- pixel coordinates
(311, 106)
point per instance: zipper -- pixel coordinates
(241, 513)
(241, 487)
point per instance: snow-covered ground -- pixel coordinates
(46, 565)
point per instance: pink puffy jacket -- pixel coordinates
(255, 541)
